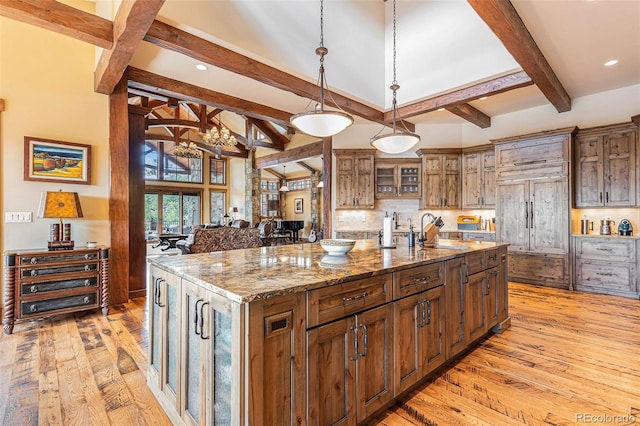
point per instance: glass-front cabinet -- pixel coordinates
(397, 179)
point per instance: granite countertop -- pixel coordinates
(606, 236)
(259, 273)
(406, 230)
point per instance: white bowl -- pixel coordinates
(337, 247)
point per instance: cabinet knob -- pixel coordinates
(87, 268)
(34, 273)
(33, 308)
(87, 283)
(87, 257)
(86, 300)
(34, 260)
(34, 289)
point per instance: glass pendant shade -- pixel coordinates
(395, 143)
(284, 188)
(321, 123)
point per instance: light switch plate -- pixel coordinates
(17, 217)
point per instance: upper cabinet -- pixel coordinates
(398, 179)
(441, 187)
(606, 161)
(479, 178)
(355, 177)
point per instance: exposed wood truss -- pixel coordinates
(63, 19)
(461, 96)
(296, 154)
(504, 21)
(306, 166)
(471, 114)
(277, 139)
(131, 24)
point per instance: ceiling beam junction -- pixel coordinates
(296, 154)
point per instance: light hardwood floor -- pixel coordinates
(569, 358)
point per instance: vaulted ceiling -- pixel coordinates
(261, 64)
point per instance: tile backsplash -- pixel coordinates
(405, 210)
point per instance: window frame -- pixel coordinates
(172, 190)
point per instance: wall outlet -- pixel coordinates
(17, 217)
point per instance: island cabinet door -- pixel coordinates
(331, 386)
(164, 323)
(432, 325)
(475, 316)
(455, 309)
(492, 297)
(374, 385)
(503, 287)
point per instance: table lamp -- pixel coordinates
(60, 205)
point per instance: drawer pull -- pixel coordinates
(87, 257)
(355, 344)
(494, 257)
(195, 317)
(422, 280)
(34, 260)
(34, 289)
(354, 298)
(365, 340)
(604, 274)
(87, 283)
(86, 300)
(428, 313)
(202, 336)
(526, 163)
(34, 273)
(603, 249)
(87, 268)
(33, 308)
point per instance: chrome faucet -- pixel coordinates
(433, 219)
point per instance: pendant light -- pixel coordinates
(399, 140)
(318, 121)
(284, 187)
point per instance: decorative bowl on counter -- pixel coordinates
(337, 247)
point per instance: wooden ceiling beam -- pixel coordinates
(133, 19)
(60, 18)
(278, 140)
(296, 154)
(161, 122)
(492, 87)
(155, 83)
(471, 114)
(242, 151)
(503, 19)
(274, 172)
(171, 38)
(306, 166)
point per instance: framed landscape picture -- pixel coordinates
(47, 160)
(298, 205)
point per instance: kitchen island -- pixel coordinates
(290, 335)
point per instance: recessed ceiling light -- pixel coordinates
(483, 98)
(201, 67)
(611, 62)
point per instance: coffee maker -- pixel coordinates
(625, 228)
(605, 226)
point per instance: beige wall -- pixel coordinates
(46, 80)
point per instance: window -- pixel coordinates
(297, 184)
(270, 198)
(218, 171)
(171, 211)
(218, 205)
(160, 164)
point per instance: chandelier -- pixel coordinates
(187, 150)
(399, 140)
(219, 138)
(320, 122)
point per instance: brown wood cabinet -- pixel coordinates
(534, 205)
(479, 178)
(606, 166)
(607, 265)
(41, 283)
(355, 178)
(398, 179)
(441, 187)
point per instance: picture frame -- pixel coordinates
(48, 160)
(297, 203)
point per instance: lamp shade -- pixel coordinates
(321, 123)
(59, 205)
(284, 188)
(395, 143)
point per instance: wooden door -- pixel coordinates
(589, 171)
(548, 215)
(432, 182)
(432, 336)
(488, 192)
(455, 311)
(375, 360)
(512, 214)
(474, 304)
(620, 169)
(364, 181)
(345, 196)
(331, 390)
(406, 323)
(451, 182)
(386, 180)
(472, 180)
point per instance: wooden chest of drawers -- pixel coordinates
(40, 283)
